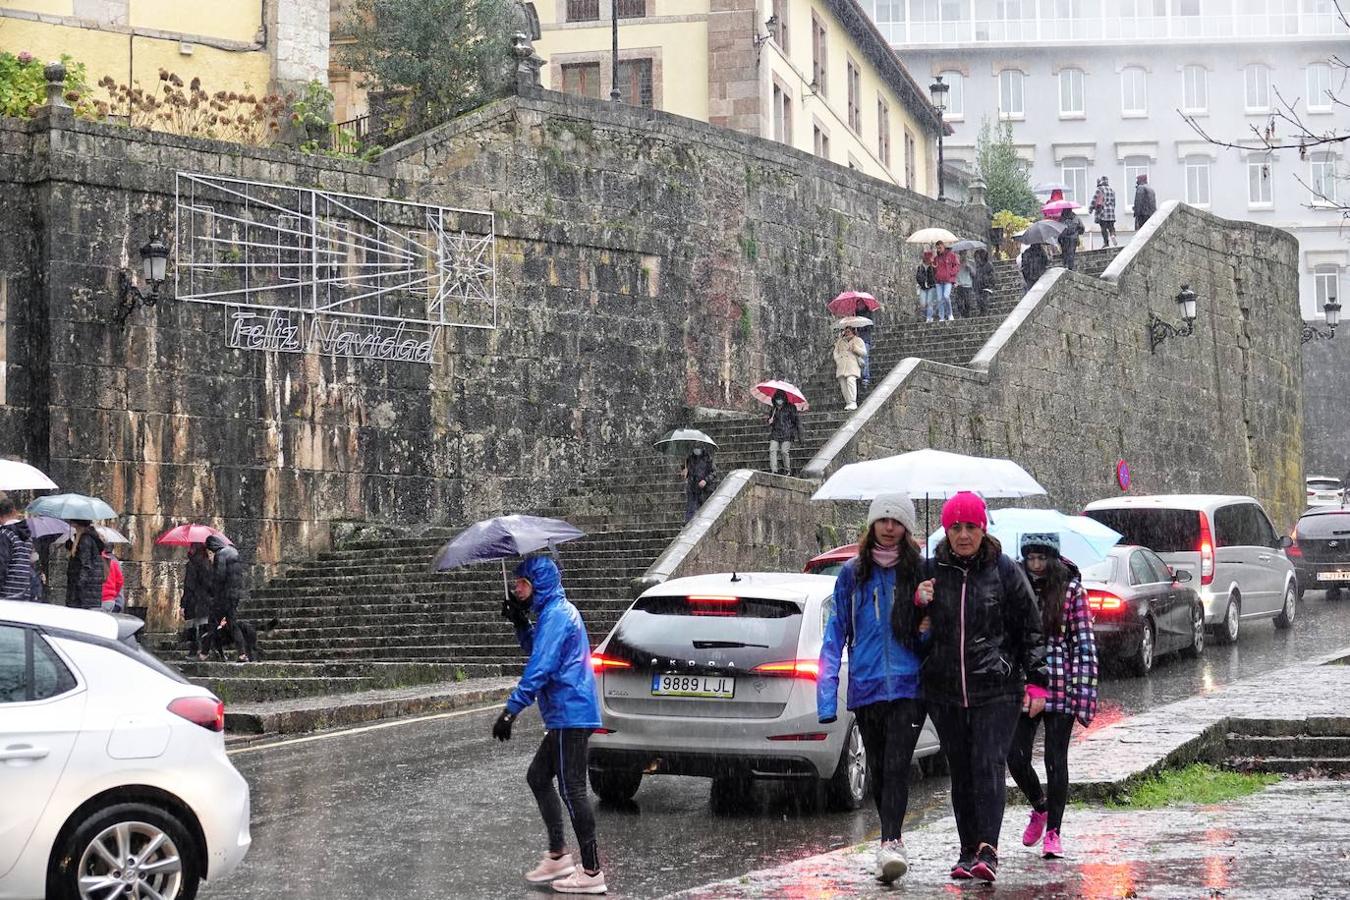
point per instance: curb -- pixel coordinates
(320, 713)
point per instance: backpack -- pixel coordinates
(924, 277)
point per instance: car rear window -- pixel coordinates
(1324, 484)
(1102, 570)
(676, 626)
(1325, 525)
(1160, 530)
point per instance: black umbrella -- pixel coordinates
(503, 538)
(1046, 231)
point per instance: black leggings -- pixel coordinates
(890, 729)
(1058, 727)
(562, 755)
(975, 740)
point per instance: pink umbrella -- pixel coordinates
(1055, 207)
(846, 304)
(764, 391)
(186, 535)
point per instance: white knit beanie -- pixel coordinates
(894, 506)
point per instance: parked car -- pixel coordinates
(715, 676)
(831, 561)
(1227, 544)
(1141, 609)
(1320, 551)
(112, 765)
(1324, 491)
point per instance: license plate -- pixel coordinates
(672, 685)
(1333, 576)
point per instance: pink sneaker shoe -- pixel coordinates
(1053, 849)
(581, 883)
(1035, 828)
(550, 868)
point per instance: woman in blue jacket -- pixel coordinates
(559, 676)
(873, 602)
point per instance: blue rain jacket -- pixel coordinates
(879, 667)
(559, 672)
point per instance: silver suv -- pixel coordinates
(1226, 542)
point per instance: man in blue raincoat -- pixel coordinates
(560, 677)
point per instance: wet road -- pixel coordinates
(437, 809)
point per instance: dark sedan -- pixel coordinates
(1320, 550)
(1141, 609)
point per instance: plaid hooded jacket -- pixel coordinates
(1071, 657)
(1104, 204)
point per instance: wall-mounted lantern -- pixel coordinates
(1160, 330)
(154, 263)
(1332, 309)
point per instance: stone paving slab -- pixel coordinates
(1257, 847)
(304, 714)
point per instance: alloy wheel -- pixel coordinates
(133, 860)
(1197, 631)
(1230, 621)
(857, 763)
(1146, 648)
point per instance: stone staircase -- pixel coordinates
(371, 614)
(1318, 747)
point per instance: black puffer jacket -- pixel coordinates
(986, 639)
(85, 572)
(227, 579)
(196, 602)
(784, 425)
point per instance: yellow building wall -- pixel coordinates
(232, 20)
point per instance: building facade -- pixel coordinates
(814, 74)
(1098, 89)
(248, 45)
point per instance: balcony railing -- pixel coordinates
(1051, 30)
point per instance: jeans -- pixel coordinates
(1069, 253)
(848, 386)
(785, 447)
(976, 740)
(890, 729)
(928, 296)
(1108, 233)
(562, 755)
(1058, 727)
(867, 360)
(944, 300)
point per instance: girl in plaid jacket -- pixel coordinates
(1071, 656)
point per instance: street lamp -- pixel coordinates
(154, 262)
(1332, 310)
(614, 61)
(1160, 330)
(937, 92)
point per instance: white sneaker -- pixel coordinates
(892, 862)
(850, 407)
(581, 883)
(550, 868)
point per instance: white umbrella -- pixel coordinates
(928, 473)
(111, 535)
(931, 236)
(1082, 540)
(853, 322)
(17, 476)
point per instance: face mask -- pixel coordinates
(698, 452)
(778, 401)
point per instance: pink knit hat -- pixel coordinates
(965, 507)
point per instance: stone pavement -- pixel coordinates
(1290, 840)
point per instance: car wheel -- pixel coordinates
(731, 794)
(615, 785)
(1333, 594)
(1227, 632)
(1141, 662)
(131, 849)
(1197, 646)
(1290, 609)
(847, 788)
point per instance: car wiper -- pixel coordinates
(721, 645)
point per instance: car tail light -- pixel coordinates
(600, 662)
(602, 731)
(791, 668)
(1105, 602)
(1206, 549)
(806, 736)
(1294, 551)
(207, 712)
(713, 605)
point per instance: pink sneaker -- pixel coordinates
(1052, 849)
(1035, 828)
(581, 883)
(550, 868)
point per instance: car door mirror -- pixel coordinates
(1286, 542)
(1181, 576)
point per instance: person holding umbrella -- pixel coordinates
(1068, 238)
(195, 601)
(945, 269)
(698, 473)
(873, 615)
(559, 676)
(1071, 660)
(849, 352)
(785, 428)
(983, 664)
(227, 591)
(86, 569)
(1034, 263)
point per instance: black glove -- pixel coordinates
(512, 613)
(501, 729)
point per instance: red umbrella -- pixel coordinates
(846, 304)
(187, 535)
(764, 391)
(1055, 207)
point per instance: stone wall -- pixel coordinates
(644, 262)
(1073, 387)
(1326, 406)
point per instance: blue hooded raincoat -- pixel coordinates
(559, 671)
(879, 667)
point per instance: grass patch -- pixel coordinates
(1197, 783)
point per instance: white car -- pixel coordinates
(1323, 491)
(715, 676)
(112, 766)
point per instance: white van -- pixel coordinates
(1225, 541)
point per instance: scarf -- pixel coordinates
(886, 557)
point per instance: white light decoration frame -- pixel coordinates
(303, 269)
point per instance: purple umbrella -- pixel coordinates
(503, 538)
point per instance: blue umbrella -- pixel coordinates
(503, 538)
(1082, 540)
(71, 506)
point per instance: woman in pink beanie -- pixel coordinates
(983, 663)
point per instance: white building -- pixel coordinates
(1098, 88)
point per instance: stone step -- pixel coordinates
(1322, 767)
(441, 608)
(386, 674)
(1299, 746)
(579, 573)
(1316, 726)
(454, 632)
(422, 653)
